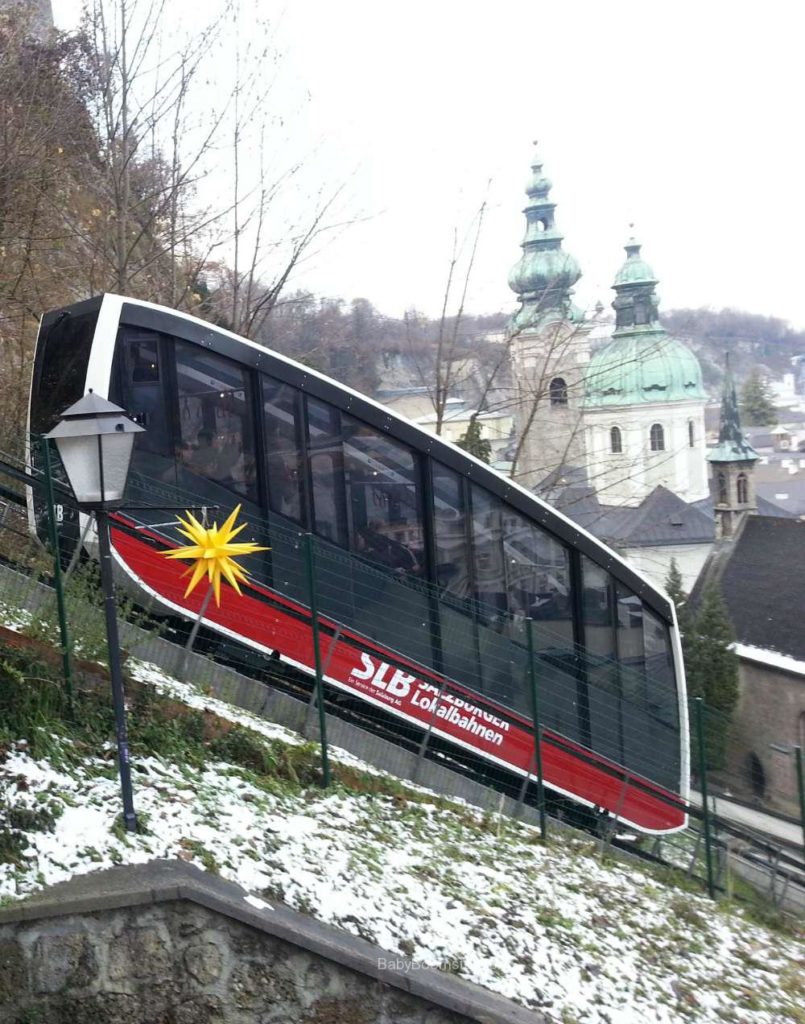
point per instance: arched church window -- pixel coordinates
(615, 440)
(691, 434)
(723, 497)
(657, 437)
(743, 489)
(558, 391)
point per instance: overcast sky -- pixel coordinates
(682, 117)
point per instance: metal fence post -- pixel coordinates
(800, 790)
(708, 848)
(314, 622)
(423, 743)
(532, 679)
(57, 577)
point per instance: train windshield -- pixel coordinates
(60, 368)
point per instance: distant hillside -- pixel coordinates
(358, 345)
(750, 339)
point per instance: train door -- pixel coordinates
(604, 682)
(215, 442)
(139, 386)
(283, 461)
(382, 479)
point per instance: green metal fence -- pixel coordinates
(52, 591)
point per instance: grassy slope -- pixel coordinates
(552, 926)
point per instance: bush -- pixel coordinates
(245, 749)
(84, 610)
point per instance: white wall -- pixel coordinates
(554, 434)
(627, 478)
(655, 562)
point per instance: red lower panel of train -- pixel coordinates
(265, 619)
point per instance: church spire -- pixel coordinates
(732, 462)
(732, 445)
(544, 276)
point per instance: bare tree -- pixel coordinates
(45, 139)
(162, 141)
(151, 157)
(438, 367)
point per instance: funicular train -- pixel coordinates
(428, 563)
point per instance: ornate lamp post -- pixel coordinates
(95, 440)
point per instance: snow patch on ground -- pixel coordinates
(548, 925)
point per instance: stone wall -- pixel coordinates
(770, 715)
(164, 943)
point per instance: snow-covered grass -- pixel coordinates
(427, 878)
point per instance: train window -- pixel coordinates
(216, 429)
(630, 644)
(326, 459)
(283, 457)
(449, 531)
(660, 668)
(385, 510)
(487, 551)
(606, 722)
(538, 581)
(142, 395)
(599, 623)
(142, 358)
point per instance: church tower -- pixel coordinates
(644, 404)
(549, 346)
(732, 462)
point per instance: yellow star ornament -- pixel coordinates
(213, 552)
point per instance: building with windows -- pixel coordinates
(760, 570)
(644, 401)
(609, 425)
(549, 344)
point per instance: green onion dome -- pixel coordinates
(645, 366)
(635, 270)
(642, 362)
(544, 276)
(540, 273)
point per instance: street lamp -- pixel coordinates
(95, 440)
